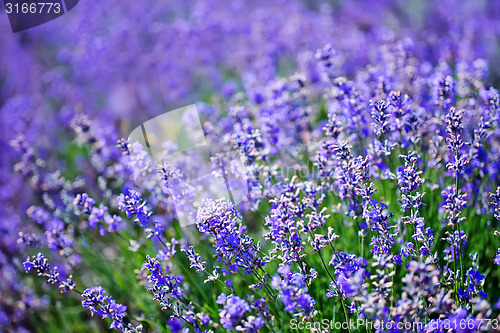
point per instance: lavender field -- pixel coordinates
(356, 145)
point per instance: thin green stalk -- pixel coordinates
(341, 297)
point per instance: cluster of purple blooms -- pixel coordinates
(293, 292)
(42, 267)
(106, 307)
(371, 164)
(234, 314)
(233, 247)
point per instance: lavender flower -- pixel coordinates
(425, 236)
(444, 90)
(475, 284)
(85, 202)
(132, 204)
(167, 290)
(293, 292)
(195, 259)
(457, 241)
(497, 258)
(495, 202)
(233, 246)
(377, 217)
(409, 182)
(234, 314)
(97, 215)
(283, 228)
(374, 304)
(350, 272)
(420, 283)
(351, 175)
(106, 307)
(454, 202)
(42, 266)
(454, 140)
(325, 58)
(29, 239)
(59, 237)
(381, 116)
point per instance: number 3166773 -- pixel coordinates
(33, 8)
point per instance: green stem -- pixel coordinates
(341, 297)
